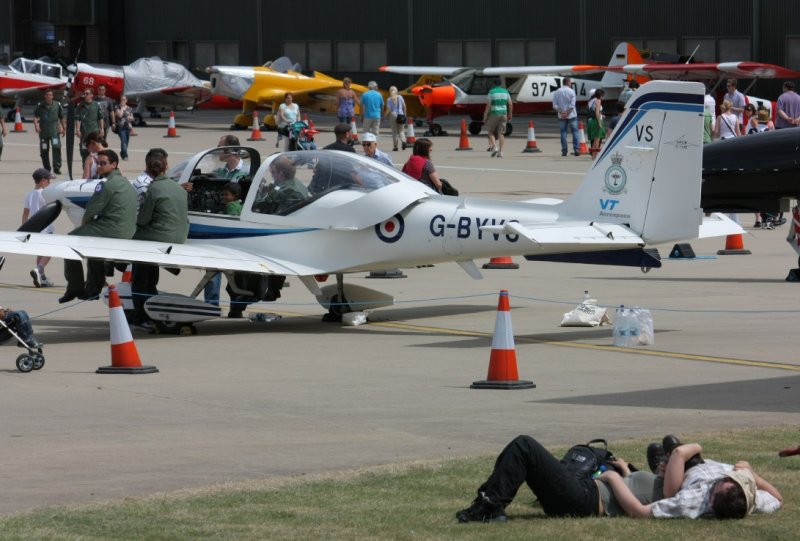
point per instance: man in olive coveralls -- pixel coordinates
(88, 118)
(49, 122)
(163, 217)
(111, 213)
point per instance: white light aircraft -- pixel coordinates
(360, 215)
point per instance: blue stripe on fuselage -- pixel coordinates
(205, 231)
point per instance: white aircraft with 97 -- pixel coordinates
(643, 189)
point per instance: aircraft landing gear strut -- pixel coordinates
(338, 305)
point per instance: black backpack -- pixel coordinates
(584, 460)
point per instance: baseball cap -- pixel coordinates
(368, 137)
(745, 479)
(41, 173)
(341, 128)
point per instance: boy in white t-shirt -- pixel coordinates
(34, 200)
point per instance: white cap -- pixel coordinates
(368, 137)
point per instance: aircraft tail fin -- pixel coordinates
(625, 53)
(648, 175)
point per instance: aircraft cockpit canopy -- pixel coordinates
(37, 67)
(295, 179)
(213, 172)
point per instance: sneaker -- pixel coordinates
(495, 152)
(489, 149)
(780, 220)
(145, 325)
(37, 277)
(482, 510)
(769, 225)
(576, 153)
(499, 154)
(563, 152)
(757, 225)
(47, 283)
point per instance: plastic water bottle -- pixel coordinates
(586, 297)
(620, 330)
(633, 329)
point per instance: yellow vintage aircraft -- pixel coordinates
(264, 87)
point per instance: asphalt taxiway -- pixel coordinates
(246, 400)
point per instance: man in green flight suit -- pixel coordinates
(285, 192)
(163, 217)
(111, 213)
(88, 118)
(50, 123)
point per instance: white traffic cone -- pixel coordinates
(353, 131)
(411, 137)
(124, 355)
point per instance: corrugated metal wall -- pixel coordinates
(584, 31)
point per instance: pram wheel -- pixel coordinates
(38, 361)
(25, 363)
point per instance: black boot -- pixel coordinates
(482, 510)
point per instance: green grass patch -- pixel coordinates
(407, 502)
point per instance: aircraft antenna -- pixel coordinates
(692, 55)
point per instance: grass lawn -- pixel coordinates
(409, 501)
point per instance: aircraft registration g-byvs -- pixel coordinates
(345, 213)
(531, 87)
(150, 83)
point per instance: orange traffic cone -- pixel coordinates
(530, 146)
(18, 128)
(127, 274)
(734, 245)
(503, 262)
(353, 130)
(124, 355)
(503, 359)
(583, 148)
(411, 137)
(172, 131)
(463, 141)
(256, 133)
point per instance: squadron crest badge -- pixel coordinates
(616, 178)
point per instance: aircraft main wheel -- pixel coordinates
(38, 361)
(436, 130)
(25, 363)
(169, 327)
(509, 129)
(475, 127)
(138, 121)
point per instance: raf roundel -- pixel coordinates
(391, 230)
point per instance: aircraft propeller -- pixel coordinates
(72, 70)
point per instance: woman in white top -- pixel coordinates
(95, 142)
(288, 114)
(396, 106)
(727, 122)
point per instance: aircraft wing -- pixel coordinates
(197, 255)
(29, 91)
(544, 70)
(183, 93)
(707, 70)
(422, 70)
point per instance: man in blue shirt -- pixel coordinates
(371, 108)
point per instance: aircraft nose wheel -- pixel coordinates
(336, 309)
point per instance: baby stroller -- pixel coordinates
(301, 136)
(34, 358)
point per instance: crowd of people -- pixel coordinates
(96, 114)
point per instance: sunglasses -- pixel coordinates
(103, 163)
